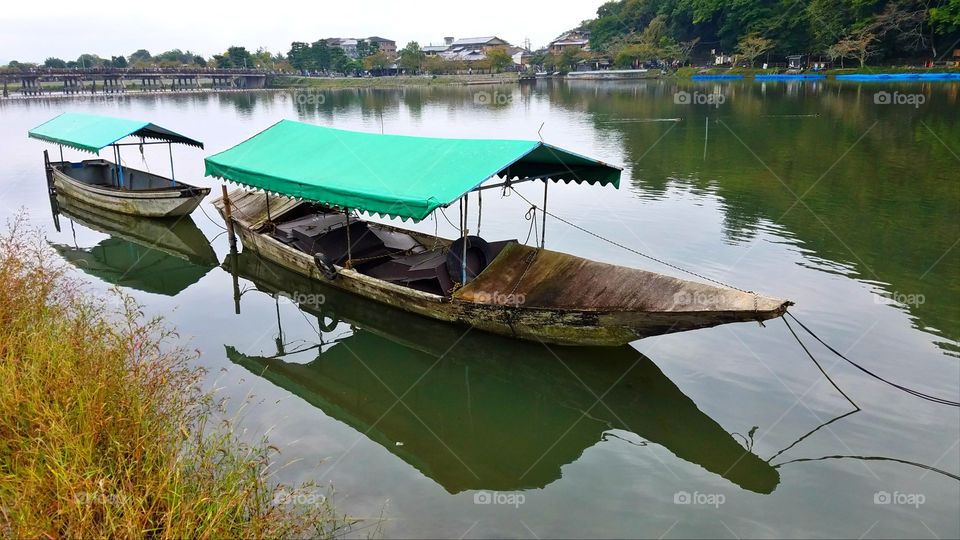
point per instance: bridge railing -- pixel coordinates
(185, 70)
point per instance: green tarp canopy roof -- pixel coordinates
(91, 132)
(392, 175)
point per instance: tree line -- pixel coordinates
(861, 31)
(233, 57)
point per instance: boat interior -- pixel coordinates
(420, 261)
(102, 173)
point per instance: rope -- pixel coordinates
(873, 458)
(531, 216)
(211, 219)
(631, 250)
(804, 347)
(916, 393)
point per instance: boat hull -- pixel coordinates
(179, 200)
(553, 326)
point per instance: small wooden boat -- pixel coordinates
(112, 186)
(526, 419)
(322, 175)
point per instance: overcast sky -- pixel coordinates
(65, 29)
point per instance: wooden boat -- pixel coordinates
(502, 287)
(112, 186)
(526, 419)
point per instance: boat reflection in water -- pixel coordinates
(481, 411)
(161, 256)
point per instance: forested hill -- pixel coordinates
(877, 31)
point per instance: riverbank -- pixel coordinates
(389, 81)
(688, 72)
(105, 431)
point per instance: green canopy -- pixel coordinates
(392, 175)
(91, 133)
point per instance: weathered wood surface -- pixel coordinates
(172, 202)
(548, 279)
(494, 305)
(249, 208)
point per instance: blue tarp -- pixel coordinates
(884, 77)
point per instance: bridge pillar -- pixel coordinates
(30, 86)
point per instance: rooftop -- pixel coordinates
(477, 40)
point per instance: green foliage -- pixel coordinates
(235, 57)
(411, 56)
(54, 63)
(377, 62)
(140, 55)
(753, 46)
(91, 61)
(499, 58)
(628, 30)
(945, 18)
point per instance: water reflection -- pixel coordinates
(479, 411)
(150, 255)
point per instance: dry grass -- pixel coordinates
(103, 431)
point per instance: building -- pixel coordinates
(797, 61)
(468, 49)
(478, 43)
(433, 50)
(349, 45)
(571, 38)
(386, 45)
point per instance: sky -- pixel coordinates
(67, 28)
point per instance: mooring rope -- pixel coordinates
(910, 391)
(916, 393)
(631, 250)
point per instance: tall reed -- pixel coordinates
(104, 431)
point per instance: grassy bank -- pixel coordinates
(104, 432)
(687, 72)
(386, 82)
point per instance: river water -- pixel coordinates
(842, 197)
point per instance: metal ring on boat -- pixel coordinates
(325, 265)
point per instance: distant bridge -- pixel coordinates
(68, 81)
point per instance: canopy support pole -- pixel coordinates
(228, 217)
(61, 152)
(116, 153)
(543, 228)
(269, 217)
(479, 210)
(349, 263)
(463, 233)
(172, 177)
